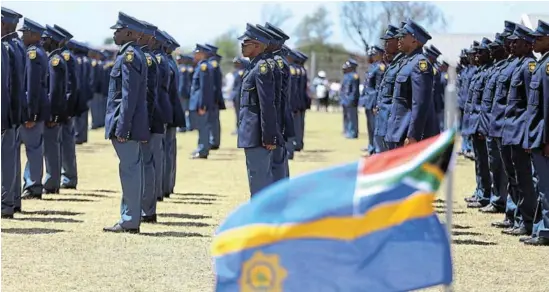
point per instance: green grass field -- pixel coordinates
(57, 243)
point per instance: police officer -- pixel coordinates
(536, 136)
(69, 171)
(8, 175)
(213, 116)
(412, 117)
(432, 53)
(37, 110)
(464, 96)
(238, 72)
(57, 81)
(472, 112)
(202, 101)
(258, 131)
(127, 123)
(499, 181)
(18, 100)
(303, 92)
(372, 81)
(295, 101)
(96, 73)
(350, 94)
(385, 93)
(170, 166)
(85, 91)
(186, 70)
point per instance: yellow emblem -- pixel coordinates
(203, 67)
(191, 69)
(280, 63)
(355, 76)
(214, 63)
(240, 72)
(263, 68)
(262, 272)
(183, 69)
(32, 54)
(434, 71)
(149, 61)
(292, 70)
(94, 63)
(382, 67)
(129, 56)
(66, 55)
(547, 69)
(532, 66)
(298, 71)
(445, 75)
(55, 61)
(423, 65)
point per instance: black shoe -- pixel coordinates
(67, 187)
(475, 205)
(28, 195)
(525, 238)
(471, 199)
(214, 147)
(537, 241)
(166, 195)
(119, 229)
(198, 156)
(160, 199)
(7, 216)
(148, 219)
(490, 209)
(55, 191)
(17, 210)
(520, 231)
(502, 224)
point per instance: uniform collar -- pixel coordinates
(124, 47)
(544, 56)
(257, 58)
(418, 50)
(145, 48)
(55, 52)
(11, 35)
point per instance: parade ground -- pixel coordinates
(57, 244)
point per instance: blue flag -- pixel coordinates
(364, 226)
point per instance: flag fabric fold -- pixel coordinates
(363, 226)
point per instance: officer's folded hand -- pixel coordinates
(409, 141)
(269, 147)
(375, 110)
(121, 140)
(201, 111)
(29, 124)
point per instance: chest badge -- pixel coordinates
(55, 61)
(149, 61)
(203, 67)
(423, 65)
(183, 69)
(214, 63)
(129, 56)
(532, 66)
(32, 54)
(262, 68)
(66, 56)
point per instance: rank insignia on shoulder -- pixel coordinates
(158, 58)
(263, 68)
(55, 61)
(292, 70)
(382, 67)
(423, 65)
(32, 54)
(149, 61)
(129, 57)
(214, 63)
(203, 67)
(183, 69)
(66, 55)
(94, 63)
(532, 66)
(355, 76)
(280, 63)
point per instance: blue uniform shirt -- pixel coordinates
(178, 114)
(385, 95)
(217, 76)
(277, 75)
(350, 89)
(164, 86)
(438, 90)
(257, 121)
(96, 76)
(6, 97)
(288, 129)
(106, 76)
(514, 123)
(202, 94)
(473, 106)
(237, 83)
(36, 84)
(295, 99)
(412, 110)
(58, 84)
(185, 78)
(536, 134)
(371, 84)
(126, 114)
(500, 97)
(17, 61)
(488, 95)
(155, 113)
(74, 107)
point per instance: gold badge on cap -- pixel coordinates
(423, 65)
(32, 54)
(55, 61)
(532, 66)
(203, 67)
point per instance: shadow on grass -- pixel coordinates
(193, 199)
(174, 234)
(472, 242)
(68, 200)
(49, 219)
(464, 233)
(317, 151)
(51, 212)
(457, 226)
(453, 212)
(191, 202)
(192, 224)
(31, 231)
(85, 195)
(183, 216)
(197, 195)
(103, 191)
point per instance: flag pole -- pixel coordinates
(451, 120)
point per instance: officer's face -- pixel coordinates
(541, 44)
(405, 43)
(199, 56)
(121, 35)
(391, 46)
(46, 43)
(250, 48)
(520, 47)
(507, 45)
(30, 38)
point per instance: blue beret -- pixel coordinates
(67, 34)
(10, 16)
(253, 33)
(212, 48)
(148, 28)
(523, 33)
(277, 30)
(542, 30)
(202, 48)
(30, 25)
(53, 33)
(509, 28)
(173, 43)
(416, 30)
(390, 33)
(126, 21)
